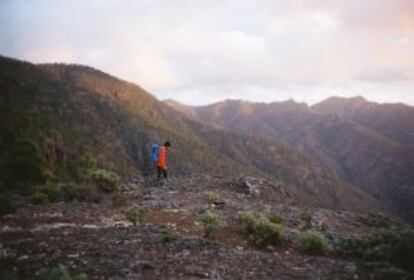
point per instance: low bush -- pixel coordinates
(264, 231)
(136, 214)
(78, 192)
(88, 163)
(210, 221)
(365, 246)
(38, 198)
(249, 219)
(8, 275)
(312, 242)
(52, 191)
(7, 268)
(106, 180)
(274, 218)
(212, 197)
(401, 253)
(61, 273)
(168, 236)
(22, 164)
(6, 206)
(49, 192)
(396, 247)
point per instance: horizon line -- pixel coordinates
(288, 99)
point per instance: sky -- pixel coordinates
(204, 51)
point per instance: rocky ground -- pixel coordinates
(96, 239)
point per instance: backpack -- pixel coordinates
(154, 152)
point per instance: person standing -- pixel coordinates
(162, 161)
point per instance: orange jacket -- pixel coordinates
(162, 157)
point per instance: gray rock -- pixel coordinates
(249, 185)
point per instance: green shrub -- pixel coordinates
(365, 246)
(210, 221)
(61, 273)
(355, 247)
(136, 214)
(264, 232)
(79, 192)
(49, 192)
(168, 236)
(88, 163)
(250, 218)
(38, 198)
(267, 233)
(393, 246)
(6, 206)
(402, 251)
(212, 197)
(52, 191)
(8, 275)
(274, 218)
(107, 180)
(312, 241)
(23, 164)
(7, 264)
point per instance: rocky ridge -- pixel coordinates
(96, 239)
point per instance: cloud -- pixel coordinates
(201, 51)
(386, 75)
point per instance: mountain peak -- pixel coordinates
(289, 104)
(344, 100)
(180, 107)
(340, 105)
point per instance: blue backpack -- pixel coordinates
(154, 152)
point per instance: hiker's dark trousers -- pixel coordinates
(161, 172)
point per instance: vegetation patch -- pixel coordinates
(210, 221)
(22, 164)
(394, 247)
(60, 272)
(6, 268)
(263, 231)
(6, 206)
(168, 236)
(312, 241)
(107, 181)
(136, 214)
(78, 191)
(39, 198)
(52, 191)
(212, 197)
(90, 173)
(274, 218)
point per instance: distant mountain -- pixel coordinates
(70, 111)
(395, 121)
(366, 144)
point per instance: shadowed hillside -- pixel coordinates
(70, 111)
(395, 121)
(366, 153)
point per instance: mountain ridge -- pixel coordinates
(370, 153)
(79, 110)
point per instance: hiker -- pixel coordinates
(162, 160)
